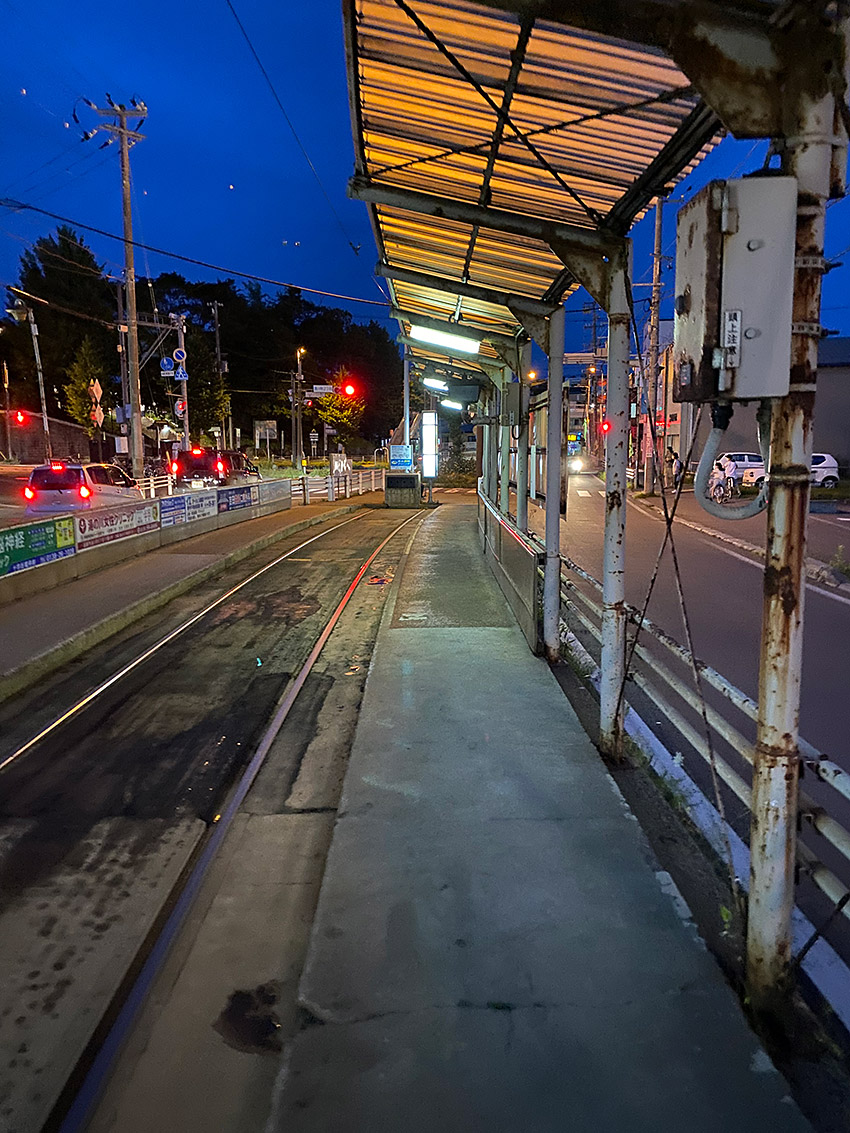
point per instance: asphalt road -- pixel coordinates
(723, 592)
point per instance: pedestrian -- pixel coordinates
(678, 470)
(669, 457)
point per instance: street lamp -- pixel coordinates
(21, 313)
(298, 440)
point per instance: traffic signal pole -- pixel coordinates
(6, 398)
(184, 388)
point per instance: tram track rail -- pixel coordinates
(71, 1106)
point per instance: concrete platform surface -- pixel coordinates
(493, 949)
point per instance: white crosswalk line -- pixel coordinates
(582, 492)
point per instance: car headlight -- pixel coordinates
(576, 464)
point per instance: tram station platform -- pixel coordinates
(494, 947)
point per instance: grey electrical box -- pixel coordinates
(511, 404)
(402, 489)
(734, 290)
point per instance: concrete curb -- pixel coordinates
(31, 671)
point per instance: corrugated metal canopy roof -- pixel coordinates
(531, 118)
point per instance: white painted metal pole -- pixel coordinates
(552, 568)
(522, 444)
(406, 396)
(504, 451)
(493, 448)
(614, 556)
(773, 836)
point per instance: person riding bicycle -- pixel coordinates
(718, 484)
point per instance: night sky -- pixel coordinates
(220, 175)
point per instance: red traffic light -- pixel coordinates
(348, 389)
(20, 417)
(605, 427)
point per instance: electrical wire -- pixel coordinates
(18, 206)
(354, 247)
(669, 515)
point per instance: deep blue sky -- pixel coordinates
(213, 124)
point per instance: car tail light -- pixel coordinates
(196, 452)
(85, 491)
(175, 467)
(57, 466)
(29, 493)
(220, 465)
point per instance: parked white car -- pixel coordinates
(746, 464)
(63, 486)
(824, 471)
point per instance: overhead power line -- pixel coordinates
(354, 247)
(18, 206)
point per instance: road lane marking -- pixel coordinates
(582, 492)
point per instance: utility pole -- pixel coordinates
(8, 422)
(652, 368)
(126, 135)
(215, 306)
(22, 313)
(122, 357)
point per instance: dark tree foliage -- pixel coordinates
(259, 335)
(62, 270)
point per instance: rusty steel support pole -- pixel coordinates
(614, 557)
(552, 567)
(773, 836)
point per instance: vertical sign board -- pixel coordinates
(401, 456)
(429, 445)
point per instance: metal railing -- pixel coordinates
(663, 687)
(305, 489)
(308, 489)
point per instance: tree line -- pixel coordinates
(75, 302)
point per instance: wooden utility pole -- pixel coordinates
(120, 129)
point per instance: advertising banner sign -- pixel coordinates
(172, 510)
(36, 543)
(105, 525)
(201, 505)
(275, 490)
(231, 499)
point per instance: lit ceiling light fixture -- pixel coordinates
(435, 383)
(440, 338)
(445, 404)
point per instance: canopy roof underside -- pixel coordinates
(524, 117)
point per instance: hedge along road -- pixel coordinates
(100, 817)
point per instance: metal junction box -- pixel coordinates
(511, 413)
(734, 290)
(403, 489)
